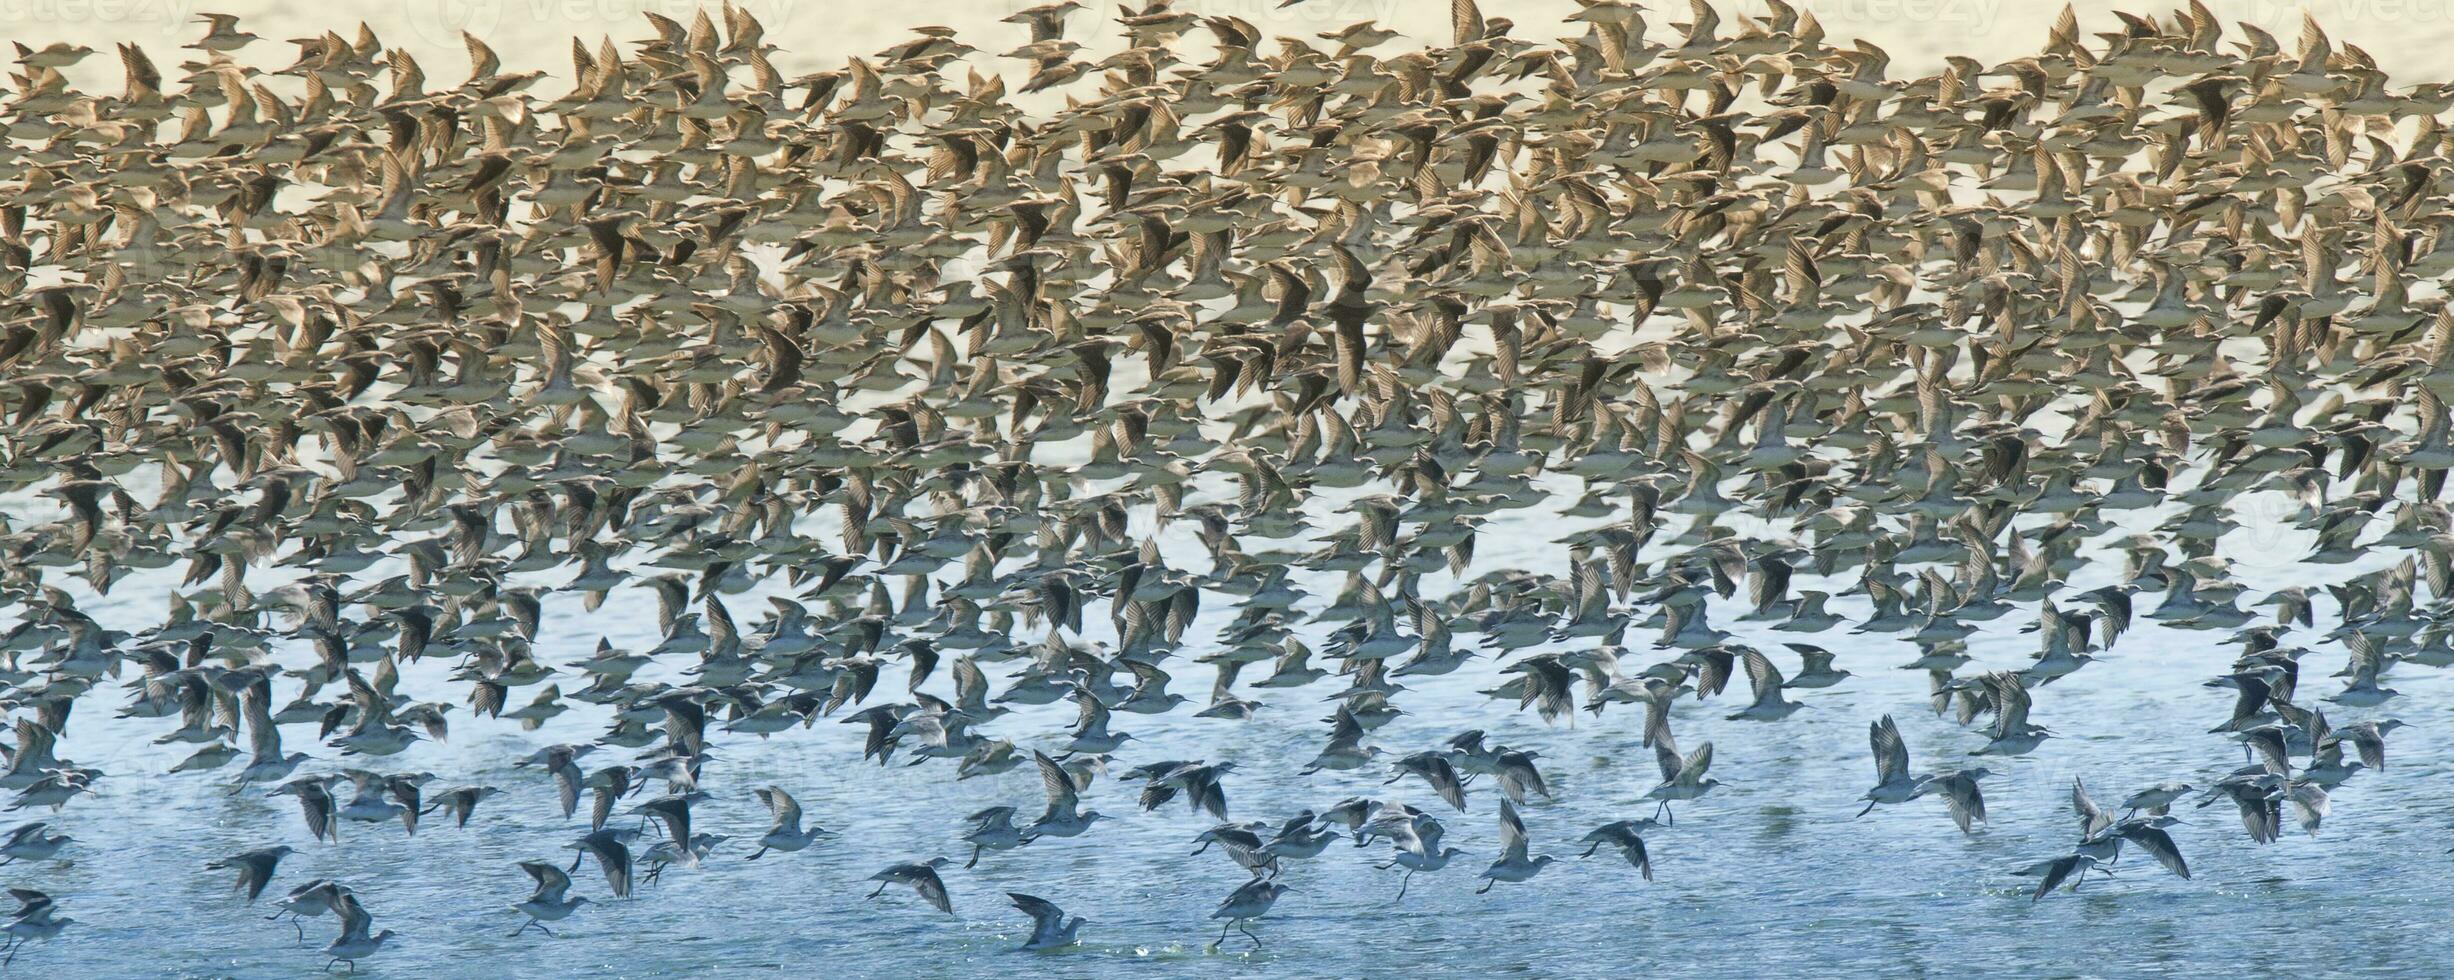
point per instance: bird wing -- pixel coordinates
(1443, 778)
(970, 683)
(1512, 833)
(1345, 728)
(1044, 913)
(566, 787)
(2372, 746)
(1059, 785)
(318, 811)
(1966, 802)
(1399, 828)
(551, 881)
(616, 860)
(1465, 22)
(2309, 804)
(1716, 672)
(1814, 657)
(1148, 678)
(933, 888)
(354, 917)
(2056, 873)
(1666, 755)
(2011, 701)
(1763, 676)
(1891, 754)
(990, 817)
(1697, 764)
(674, 812)
(2160, 846)
(2091, 817)
(2253, 696)
(787, 810)
(1094, 715)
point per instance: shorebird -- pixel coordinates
(549, 902)
(1513, 864)
(1049, 927)
(32, 841)
(787, 834)
(459, 804)
(33, 920)
(317, 805)
(922, 876)
(1627, 836)
(1249, 901)
(2073, 868)
(255, 867)
(2157, 799)
(354, 943)
(1765, 678)
(1064, 816)
(1893, 784)
(307, 901)
(2012, 733)
(993, 829)
(1683, 778)
(1960, 794)
(612, 855)
(1417, 840)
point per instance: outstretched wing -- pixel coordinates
(787, 810)
(2160, 846)
(2091, 817)
(1891, 754)
(933, 889)
(1043, 912)
(1058, 784)
(1697, 764)
(1512, 833)
(1763, 676)
(551, 881)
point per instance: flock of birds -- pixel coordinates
(385, 364)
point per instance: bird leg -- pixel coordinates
(1487, 883)
(754, 855)
(881, 889)
(1247, 931)
(1222, 932)
(1870, 808)
(1401, 888)
(523, 928)
(975, 855)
